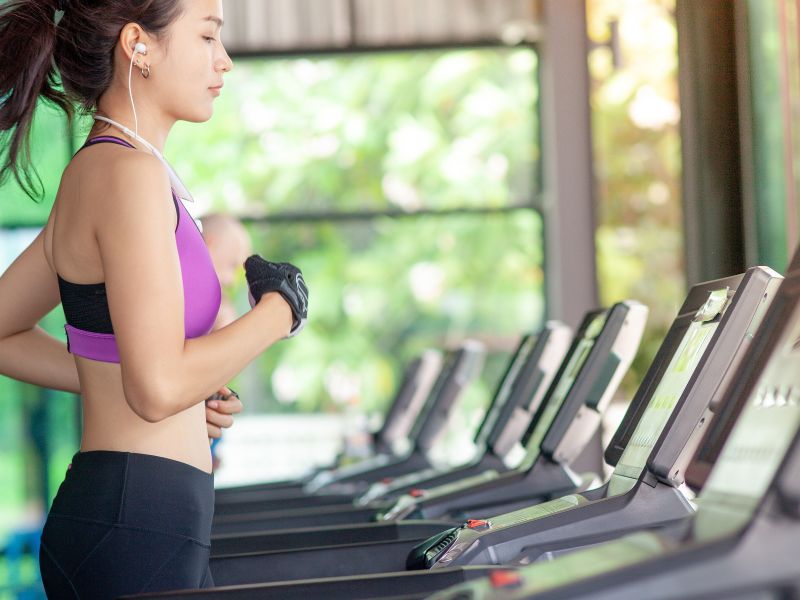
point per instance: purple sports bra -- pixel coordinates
(89, 330)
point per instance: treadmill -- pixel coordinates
(520, 390)
(717, 299)
(595, 364)
(520, 393)
(461, 368)
(702, 349)
(643, 491)
(415, 388)
(744, 540)
(518, 398)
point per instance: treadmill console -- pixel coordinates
(764, 439)
(671, 387)
(590, 330)
(570, 434)
(418, 381)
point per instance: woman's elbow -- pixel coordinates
(150, 412)
(149, 401)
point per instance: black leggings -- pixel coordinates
(124, 523)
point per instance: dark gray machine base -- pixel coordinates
(402, 585)
(284, 519)
(311, 563)
(294, 500)
(507, 492)
(288, 539)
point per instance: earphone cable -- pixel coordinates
(130, 93)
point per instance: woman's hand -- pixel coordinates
(219, 409)
(264, 277)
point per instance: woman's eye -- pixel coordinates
(209, 39)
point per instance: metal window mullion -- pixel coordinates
(568, 181)
(339, 216)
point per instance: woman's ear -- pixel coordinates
(134, 40)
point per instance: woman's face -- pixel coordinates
(193, 62)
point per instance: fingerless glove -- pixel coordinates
(264, 276)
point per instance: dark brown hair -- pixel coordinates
(69, 64)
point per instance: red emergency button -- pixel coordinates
(477, 524)
(505, 579)
(416, 493)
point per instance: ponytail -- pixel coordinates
(69, 64)
(28, 38)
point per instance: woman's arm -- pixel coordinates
(28, 292)
(162, 373)
(35, 357)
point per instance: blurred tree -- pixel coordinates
(636, 119)
(405, 186)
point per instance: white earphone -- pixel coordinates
(177, 185)
(139, 48)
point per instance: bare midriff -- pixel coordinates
(109, 423)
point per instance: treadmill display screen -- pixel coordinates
(506, 385)
(553, 404)
(450, 360)
(671, 387)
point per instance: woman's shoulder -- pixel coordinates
(120, 187)
(118, 164)
(119, 175)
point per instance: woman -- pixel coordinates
(138, 289)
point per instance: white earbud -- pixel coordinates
(139, 48)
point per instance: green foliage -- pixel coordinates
(385, 289)
(51, 148)
(406, 131)
(317, 137)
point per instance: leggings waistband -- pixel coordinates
(139, 491)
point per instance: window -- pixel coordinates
(405, 185)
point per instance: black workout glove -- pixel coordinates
(264, 276)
